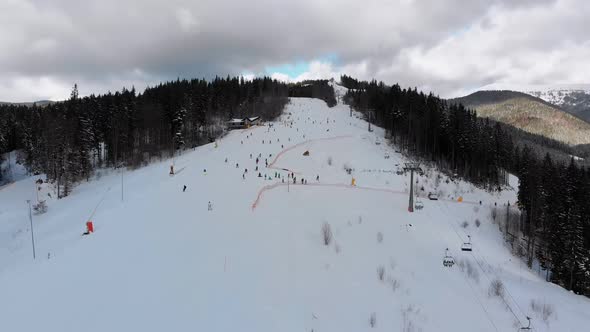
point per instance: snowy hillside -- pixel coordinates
(554, 94)
(572, 98)
(160, 260)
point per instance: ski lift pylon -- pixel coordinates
(467, 245)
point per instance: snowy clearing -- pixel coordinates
(159, 260)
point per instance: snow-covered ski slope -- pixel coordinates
(160, 261)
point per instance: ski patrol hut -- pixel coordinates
(236, 124)
(253, 121)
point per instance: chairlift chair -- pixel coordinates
(467, 245)
(448, 260)
(527, 328)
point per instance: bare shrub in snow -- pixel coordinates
(543, 309)
(381, 272)
(467, 267)
(330, 161)
(326, 233)
(394, 283)
(40, 207)
(379, 237)
(496, 288)
(477, 222)
(373, 320)
(392, 264)
(407, 322)
(464, 224)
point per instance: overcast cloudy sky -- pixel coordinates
(445, 46)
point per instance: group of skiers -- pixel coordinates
(277, 175)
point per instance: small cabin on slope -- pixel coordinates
(236, 124)
(254, 121)
(243, 123)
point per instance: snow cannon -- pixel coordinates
(89, 227)
(460, 199)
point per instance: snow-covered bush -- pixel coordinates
(394, 283)
(326, 233)
(379, 237)
(381, 272)
(373, 320)
(496, 288)
(467, 267)
(40, 207)
(543, 309)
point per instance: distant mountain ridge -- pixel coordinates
(572, 98)
(530, 114)
(29, 104)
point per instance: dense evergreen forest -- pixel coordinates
(68, 140)
(553, 194)
(314, 89)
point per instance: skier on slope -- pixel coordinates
(210, 206)
(184, 188)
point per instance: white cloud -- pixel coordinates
(186, 19)
(447, 46)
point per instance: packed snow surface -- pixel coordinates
(160, 260)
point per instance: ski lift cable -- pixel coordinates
(99, 202)
(477, 297)
(487, 277)
(480, 303)
(485, 274)
(505, 288)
